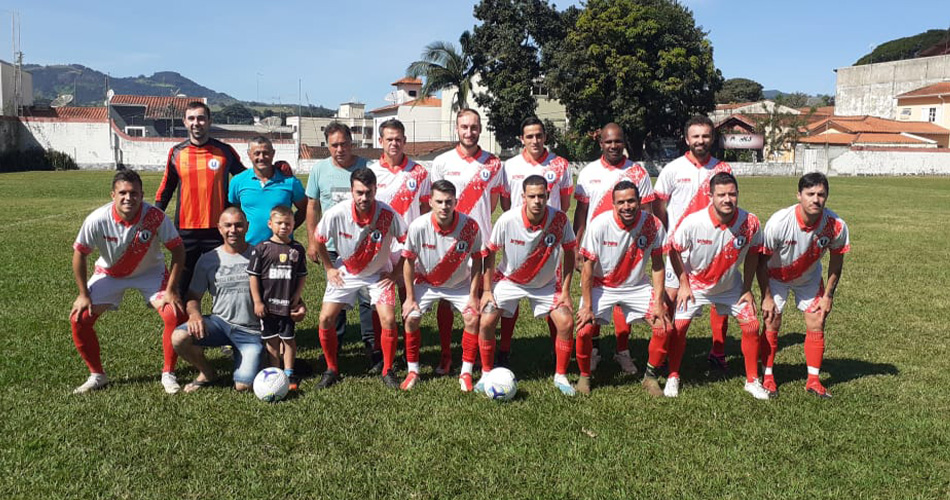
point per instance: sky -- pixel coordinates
(353, 50)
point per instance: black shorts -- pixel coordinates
(277, 326)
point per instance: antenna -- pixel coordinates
(391, 97)
(271, 123)
(61, 101)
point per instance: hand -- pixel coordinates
(769, 311)
(196, 326)
(259, 309)
(585, 315)
(170, 297)
(82, 303)
(825, 304)
(408, 306)
(661, 313)
(748, 298)
(334, 277)
(578, 261)
(312, 253)
(472, 306)
(298, 312)
(563, 300)
(387, 280)
(684, 296)
(487, 298)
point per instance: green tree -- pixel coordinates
(443, 66)
(641, 63)
(506, 54)
(793, 100)
(904, 48)
(235, 114)
(735, 90)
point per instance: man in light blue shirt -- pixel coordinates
(329, 184)
(262, 188)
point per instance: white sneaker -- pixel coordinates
(594, 359)
(756, 390)
(564, 385)
(170, 383)
(95, 381)
(626, 362)
(672, 388)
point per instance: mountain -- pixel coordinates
(906, 48)
(88, 86)
(771, 94)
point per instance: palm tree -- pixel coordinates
(444, 66)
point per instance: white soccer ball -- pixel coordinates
(271, 385)
(501, 384)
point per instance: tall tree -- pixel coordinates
(793, 100)
(736, 90)
(506, 50)
(442, 67)
(641, 63)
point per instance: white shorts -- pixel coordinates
(353, 285)
(636, 303)
(806, 294)
(670, 280)
(725, 303)
(427, 295)
(105, 289)
(508, 294)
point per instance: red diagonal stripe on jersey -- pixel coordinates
(451, 261)
(473, 191)
(830, 230)
(139, 247)
(539, 256)
(725, 259)
(404, 197)
(701, 198)
(368, 249)
(631, 259)
(606, 203)
(558, 165)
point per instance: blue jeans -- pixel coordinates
(247, 346)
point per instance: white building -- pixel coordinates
(16, 89)
(422, 116)
(352, 114)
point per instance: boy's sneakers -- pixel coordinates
(756, 390)
(170, 383)
(626, 362)
(329, 378)
(95, 381)
(672, 388)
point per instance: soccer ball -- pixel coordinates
(501, 384)
(271, 385)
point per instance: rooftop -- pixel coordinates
(937, 89)
(157, 107)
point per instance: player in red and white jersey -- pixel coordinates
(443, 261)
(128, 235)
(595, 183)
(796, 238)
(477, 176)
(682, 188)
(363, 230)
(707, 250)
(532, 238)
(615, 249)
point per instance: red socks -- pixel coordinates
(750, 349)
(328, 342)
(413, 344)
(621, 330)
(719, 325)
(388, 340)
(87, 343)
(171, 319)
(469, 347)
(446, 319)
(562, 350)
(584, 348)
(487, 349)
(768, 346)
(657, 349)
(814, 353)
(508, 330)
(677, 345)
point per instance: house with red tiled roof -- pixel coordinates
(926, 104)
(151, 116)
(871, 131)
(422, 115)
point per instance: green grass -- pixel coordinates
(886, 434)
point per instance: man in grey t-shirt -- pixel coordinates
(222, 272)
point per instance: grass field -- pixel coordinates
(886, 434)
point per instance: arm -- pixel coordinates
(659, 211)
(313, 217)
(259, 309)
(585, 314)
(409, 278)
(565, 201)
(171, 287)
(80, 273)
(301, 212)
(298, 309)
(494, 201)
(835, 267)
(661, 314)
(567, 274)
(685, 293)
(473, 288)
(333, 274)
(579, 226)
(505, 203)
(196, 324)
(768, 303)
(393, 276)
(488, 275)
(749, 272)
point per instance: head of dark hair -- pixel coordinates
(624, 185)
(467, 111)
(198, 104)
(392, 123)
(813, 179)
(534, 180)
(364, 175)
(126, 175)
(722, 179)
(281, 210)
(444, 186)
(698, 120)
(259, 140)
(532, 120)
(336, 127)
(233, 211)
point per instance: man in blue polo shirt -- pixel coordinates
(264, 187)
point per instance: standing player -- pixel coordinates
(198, 170)
(796, 238)
(707, 249)
(533, 160)
(127, 233)
(615, 248)
(593, 193)
(442, 262)
(532, 237)
(364, 230)
(681, 190)
(329, 184)
(477, 177)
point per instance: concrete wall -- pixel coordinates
(891, 162)
(9, 134)
(871, 89)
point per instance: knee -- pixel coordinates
(412, 323)
(471, 322)
(181, 338)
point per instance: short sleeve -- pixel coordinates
(297, 191)
(664, 184)
(86, 239)
(842, 242)
(580, 191)
(590, 243)
(505, 181)
(313, 183)
(568, 239)
(646, 188)
(425, 189)
(168, 234)
(399, 228)
(300, 269)
(255, 266)
(325, 227)
(681, 238)
(659, 242)
(436, 172)
(771, 240)
(233, 197)
(496, 185)
(477, 242)
(758, 236)
(199, 280)
(566, 186)
(497, 238)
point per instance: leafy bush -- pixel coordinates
(36, 159)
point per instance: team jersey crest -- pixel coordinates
(739, 242)
(550, 239)
(823, 241)
(642, 241)
(485, 174)
(461, 246)
(145, 235)
(214, 164)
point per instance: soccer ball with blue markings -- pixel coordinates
(271, 385)
(501, 384)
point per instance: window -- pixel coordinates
(932, 115)
(135, 131)
(539, 90)
(412, 93)
(905, 113)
